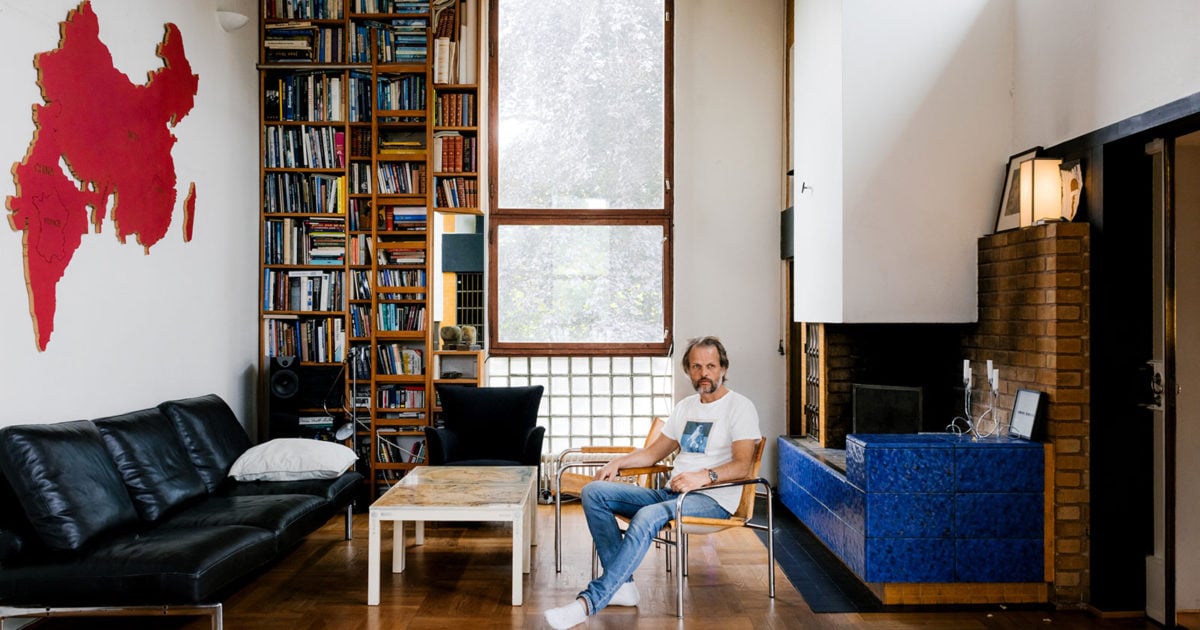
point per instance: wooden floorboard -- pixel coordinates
(460, 580)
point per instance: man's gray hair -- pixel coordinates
(709, 341)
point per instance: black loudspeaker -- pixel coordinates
(297, 391)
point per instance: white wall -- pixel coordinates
(926, 125)
(903, 121)
(131, 329)
(1082, 65)
(729, 168)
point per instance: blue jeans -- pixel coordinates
(649, 510)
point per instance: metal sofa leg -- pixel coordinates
(349, 521)
(213, 611)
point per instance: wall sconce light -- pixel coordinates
(1037, 190)
(231, 20)
(1041, 189)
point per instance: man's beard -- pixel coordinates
(707, 386)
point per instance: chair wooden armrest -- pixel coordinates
(699, 521)
(589, 452)
(606, 449)
(643, 470)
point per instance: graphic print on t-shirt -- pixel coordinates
(695, 436)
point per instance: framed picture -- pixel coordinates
(1072, 188)
(1027, 412)
(1008, 215)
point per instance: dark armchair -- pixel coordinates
(487, 426)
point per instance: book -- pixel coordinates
(401, 141)
(441, 60)
(469, 43)
(273, 100)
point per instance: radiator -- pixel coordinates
(548, 472)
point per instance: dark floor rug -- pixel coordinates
(820, 577)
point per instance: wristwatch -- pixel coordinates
(712, 476)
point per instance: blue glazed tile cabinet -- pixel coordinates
(966, 514)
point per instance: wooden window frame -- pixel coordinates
(499, 217)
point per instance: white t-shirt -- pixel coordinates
(706, 433)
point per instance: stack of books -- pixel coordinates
(289, 41)
(401, 41)
(326, 239)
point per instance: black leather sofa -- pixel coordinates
(135, 514)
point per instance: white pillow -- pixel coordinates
(289, 459)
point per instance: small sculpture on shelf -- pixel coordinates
(451, 336)
(468, 338)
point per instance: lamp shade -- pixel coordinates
(231, 21)
(1041, 190)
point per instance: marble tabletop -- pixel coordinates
(459, 486)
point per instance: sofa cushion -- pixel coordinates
(336, 492)
(292, 459)
(211, 435)
(66, 482)
(159, 566)
(150, 457)
(289, 517)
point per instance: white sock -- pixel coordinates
(567, 616)
(627, 595)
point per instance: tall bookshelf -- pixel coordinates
(370, 133)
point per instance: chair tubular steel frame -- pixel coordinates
(675, 536)
(598, 456)
(561, 468)
(675, 533)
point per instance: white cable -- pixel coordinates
(990, 414)
(352, 410)
(965, 419)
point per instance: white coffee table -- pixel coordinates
(456, 493)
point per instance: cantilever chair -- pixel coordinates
(676, 532)
(593, 457)
(487, 426)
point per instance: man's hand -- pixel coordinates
(687, 482)
(608, 472)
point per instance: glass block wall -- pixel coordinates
(592, 400)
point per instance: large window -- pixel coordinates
(580, 158)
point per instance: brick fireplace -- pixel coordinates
(1033, 325)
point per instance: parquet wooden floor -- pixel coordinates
(459, 580)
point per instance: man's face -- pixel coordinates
(704, 369)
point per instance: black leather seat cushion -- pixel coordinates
(288, 517)
(211, 435)
(159, 566)
(65, 481)
(337, 492)
(150, 457)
